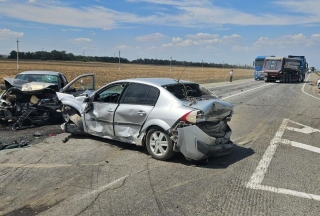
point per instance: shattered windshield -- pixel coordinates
(182, 91)
(38, 78)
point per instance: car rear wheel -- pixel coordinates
(159, 144)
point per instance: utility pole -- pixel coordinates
(17, 53)
(202, 65)
(119, 59)
(170, 62)
(223, 66)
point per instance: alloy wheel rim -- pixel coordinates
(158, 143)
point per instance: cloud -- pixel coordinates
(81, 40)
(181, 13)
(150, 37)
(314, 40)
(283, 41)
(7, 33)
(200, 39)
(203, 36)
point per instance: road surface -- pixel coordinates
(274, 169)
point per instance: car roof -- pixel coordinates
(41, 72)
(155, 81)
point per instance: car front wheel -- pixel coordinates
(159, 144)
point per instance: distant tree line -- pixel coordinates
(64, 56)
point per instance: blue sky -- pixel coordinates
(230, 31)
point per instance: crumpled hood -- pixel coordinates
(24, 85)
(213, 109)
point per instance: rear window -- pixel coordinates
(181, 91)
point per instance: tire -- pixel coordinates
(159, 144)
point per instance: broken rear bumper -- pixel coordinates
(194, 144)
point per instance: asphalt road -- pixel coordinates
(272, 171)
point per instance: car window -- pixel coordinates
(181, 91)
(138, 93)
(152, 96)
(111, 94)
(83, 84)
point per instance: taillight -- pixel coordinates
(192, 116)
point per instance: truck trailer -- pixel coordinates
(282, 69)
(303, 66)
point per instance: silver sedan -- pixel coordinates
(165, 115)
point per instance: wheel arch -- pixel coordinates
(153, 124)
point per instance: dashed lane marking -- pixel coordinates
(245, 91)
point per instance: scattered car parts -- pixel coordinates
(30, 98)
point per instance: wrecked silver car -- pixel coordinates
(165, 115)
(30, 98)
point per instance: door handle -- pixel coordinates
(110, 110)
(141, 112)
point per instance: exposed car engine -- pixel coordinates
(29, 108)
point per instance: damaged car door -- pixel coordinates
(134, 108)
(100, 110)
(81, 85)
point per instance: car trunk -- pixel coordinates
(216, 114)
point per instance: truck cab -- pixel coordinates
(258, 64)
(304, 65)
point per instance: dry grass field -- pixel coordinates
(107, 72)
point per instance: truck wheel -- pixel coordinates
(159, 144)
(289, 78)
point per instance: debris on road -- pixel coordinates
(15, 144)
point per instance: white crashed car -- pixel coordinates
(163, 114)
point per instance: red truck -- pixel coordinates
(282, 69)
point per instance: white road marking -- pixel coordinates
(245, 91)
(231, 84)
(302, 89)
(306, 129)
(301, 145)
(286, 192)
(261, 170)
(262, 167)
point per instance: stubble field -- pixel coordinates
(107, 72)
